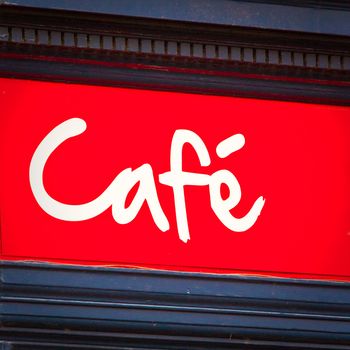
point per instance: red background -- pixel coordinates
(296, 155)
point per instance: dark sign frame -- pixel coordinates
(50, 306)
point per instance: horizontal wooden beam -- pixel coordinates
(105, 306)
(321, 17)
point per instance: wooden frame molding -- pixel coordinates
(56, 307)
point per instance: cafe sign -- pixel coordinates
(136, 178)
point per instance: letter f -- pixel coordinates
(177, 178)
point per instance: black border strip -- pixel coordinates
(148, 76)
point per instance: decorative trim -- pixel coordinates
(56, 305)
(173, 48)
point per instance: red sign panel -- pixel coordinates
(124, 177)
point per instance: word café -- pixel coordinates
(116, 193)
